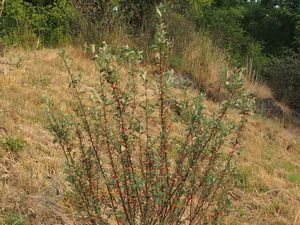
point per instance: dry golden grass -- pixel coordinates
(194, 53)
(270, 167)
(204, 61)
(259, 90)
(33, 183)
(262, 91)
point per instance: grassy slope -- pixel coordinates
(32, 181)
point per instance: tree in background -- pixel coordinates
(275, 24)
(267, 32)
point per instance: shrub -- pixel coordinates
(126, 159)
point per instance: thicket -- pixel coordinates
(264, 33)
(126, 160)
(272, 26)
(51, 23)
(284, 76)
(37, 23)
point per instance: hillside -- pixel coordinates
(33, 186)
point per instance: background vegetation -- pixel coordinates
(264, 34)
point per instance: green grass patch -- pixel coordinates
(12, 218)
(294, 178)
(289, 167)
(14, 144)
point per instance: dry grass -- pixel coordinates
(262, 91)
(204, 61)
(270, 167)
(33, 183)
(195, 54)
(259, 90)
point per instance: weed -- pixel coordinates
(12, 218)
(294, 178)
(14, 144)
(240, 178)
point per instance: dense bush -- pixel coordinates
(283, 74)
(257, 32)
(127, 162)
(226, 25)
(193, 9)
(30, 23)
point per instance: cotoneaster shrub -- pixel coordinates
(135, 153)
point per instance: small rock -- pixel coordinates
(2, 131)
(269, 107)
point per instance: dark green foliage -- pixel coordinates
(225, 22)
(284, 76)
(225, 25)
(31, 23)
(138, 12)
(273, 25)
(265, 32)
